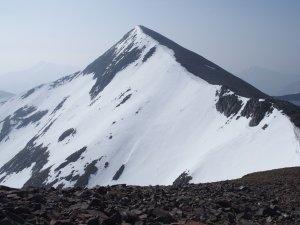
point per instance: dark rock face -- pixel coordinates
(30, 92)
(182, 180)
(149, 54)
(23, 112)
(30, 154)
(256, 110)
(20, 118)
(228, 104)
(270, 197)
(90, 169)
(63, 80)
(32, 119)
(72, 158)
(109, 64)
(6, 128)
(66, 134)
(38, 180)
(119, 173)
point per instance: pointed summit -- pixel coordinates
(128, 50)
(204, 68)
(137, 111)
(132, 46)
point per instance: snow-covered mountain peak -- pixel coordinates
(147, 111)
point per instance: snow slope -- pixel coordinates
(136, 115)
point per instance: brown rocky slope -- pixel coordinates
(271, 197)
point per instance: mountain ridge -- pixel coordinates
(134, 113)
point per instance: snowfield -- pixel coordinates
(152, 122)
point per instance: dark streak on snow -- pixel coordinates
(66, 133)
(72, 158)
(149, 54)
(123, 93)
(124, 100)
(60, 105)
(119, 173)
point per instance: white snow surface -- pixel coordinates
(169, 125)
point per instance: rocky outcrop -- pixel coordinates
(182, 180)
(228, 103)
(31, 155)
(257, 110)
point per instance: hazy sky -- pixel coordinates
(236, 34)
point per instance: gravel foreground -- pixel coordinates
(271, 197)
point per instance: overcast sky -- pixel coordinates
(234, 34)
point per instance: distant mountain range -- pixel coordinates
(292, 88)
(147, 111)
(272, 82)
(4, 96)
(295, 98)
(43, 72)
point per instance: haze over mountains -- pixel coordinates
(43, 72)
(4, 95)
(271, 82)
(147, 111)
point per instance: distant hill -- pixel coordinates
(294, 98)
(4, 94)
(43, 72)
(292, 88)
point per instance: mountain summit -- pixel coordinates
(147, 111)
